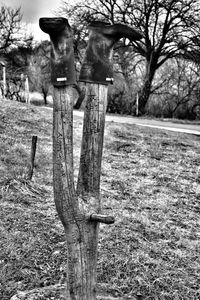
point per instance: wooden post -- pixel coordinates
(137, 104)
(79, 209)
(96, 73)
(26, 90)
(78, 285)
(4, 82)
(4, 79)
(32, 158)
(92, 139)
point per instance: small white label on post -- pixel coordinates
(109, 79)
(61, 79)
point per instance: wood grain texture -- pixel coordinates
(63, 177)
(92, 140)
(74, 206)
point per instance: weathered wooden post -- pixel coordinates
(80, 209)
(97, 73)
(137, 104)
(32, 158)
(26, 90)
(4, 78)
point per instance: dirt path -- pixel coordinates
(166, 125)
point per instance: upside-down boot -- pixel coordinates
(62, 52)
(97, 64)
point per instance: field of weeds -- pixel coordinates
(150, 183)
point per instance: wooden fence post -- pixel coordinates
(4, 79)
(137, 104)
(80, 209)
(32, 158)
(26, 90)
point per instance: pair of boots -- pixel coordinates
(97, 63)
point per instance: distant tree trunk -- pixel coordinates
(45, 93)
(81, 92)
(145, 91)
(45, 99)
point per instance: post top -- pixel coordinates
(53, 25)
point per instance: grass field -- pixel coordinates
(150, 183)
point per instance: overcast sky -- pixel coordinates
(33, 10)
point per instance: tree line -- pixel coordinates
(161, 71)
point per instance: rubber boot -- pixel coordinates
(97, 64)
(62, 51)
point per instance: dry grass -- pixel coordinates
(150, 183)
(151, 180)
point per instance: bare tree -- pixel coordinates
(176, 90)
(167, 26)
(39, 69)
(15, 43)
(17, 61)
(11, 29)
